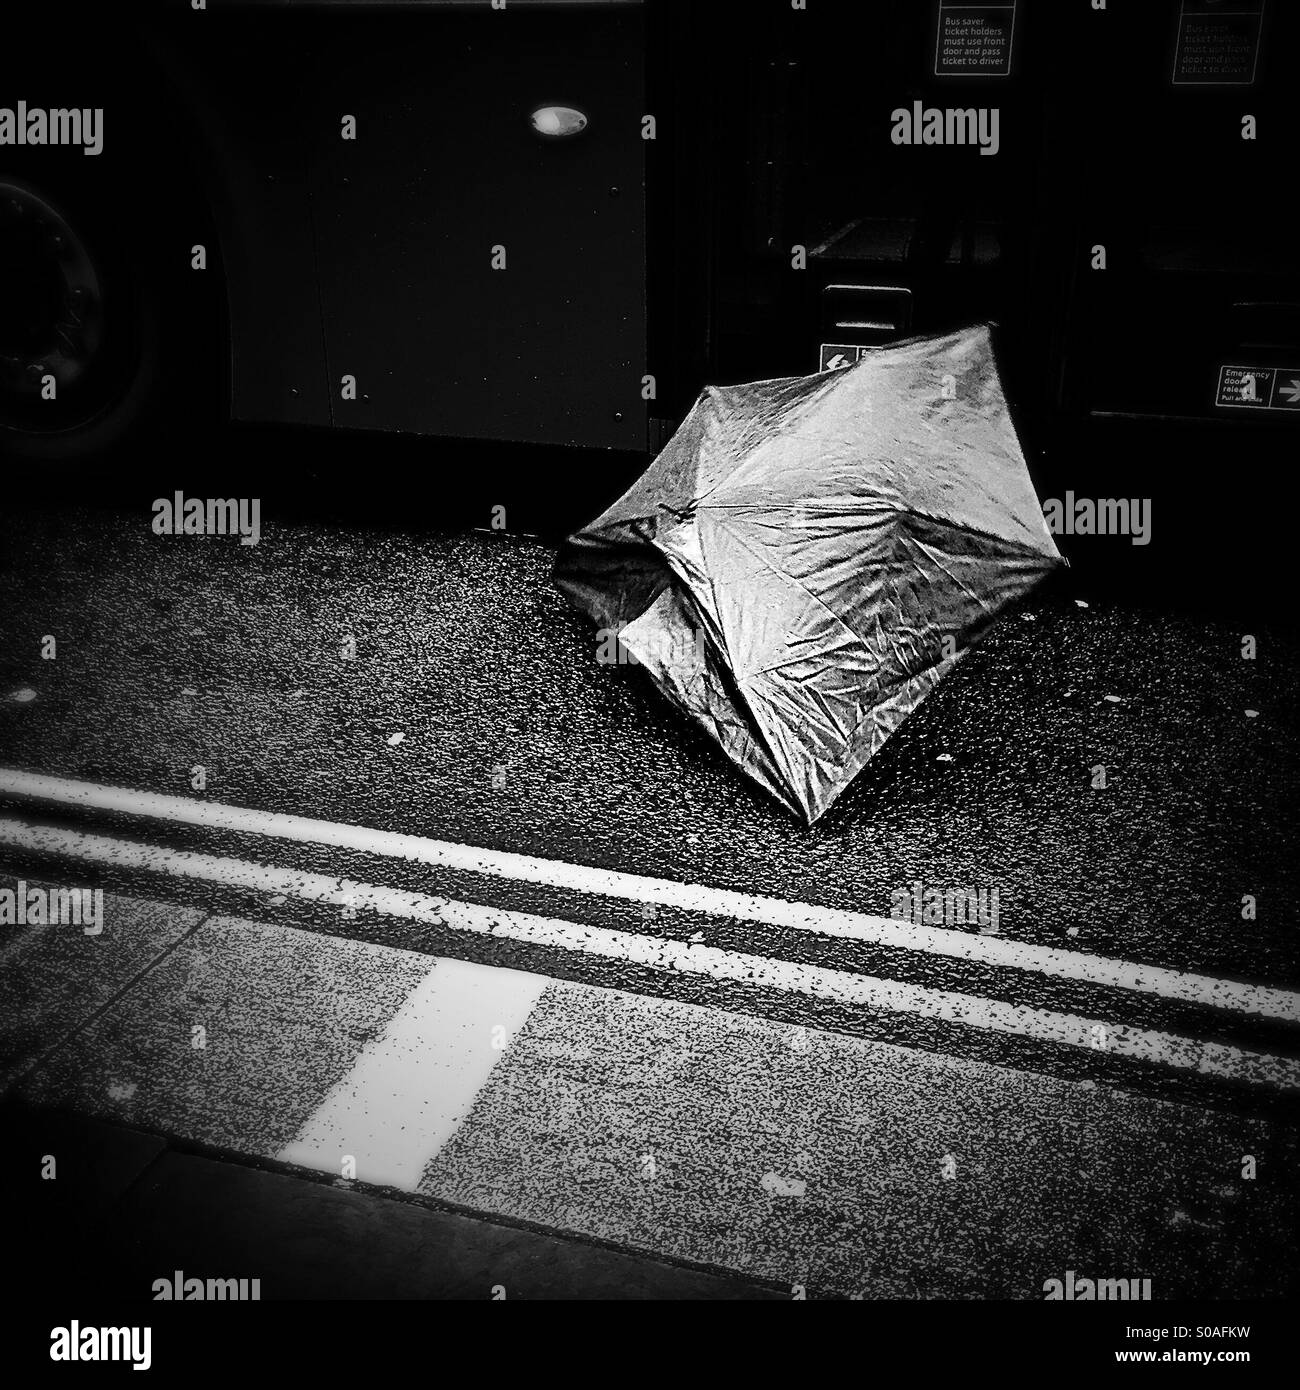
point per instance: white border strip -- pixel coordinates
(1261, 1000)
(860, 991)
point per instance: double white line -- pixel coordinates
(1184, 1054)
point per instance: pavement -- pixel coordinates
(258, 1089)
(461, 944)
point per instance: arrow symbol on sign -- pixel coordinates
(1291, 392)
(839, 360)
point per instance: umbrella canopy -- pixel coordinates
(808, 556)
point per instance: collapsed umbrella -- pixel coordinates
(808, 556)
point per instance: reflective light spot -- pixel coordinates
(558, 120)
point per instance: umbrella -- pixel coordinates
(809, 556)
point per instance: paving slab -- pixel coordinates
(234, 1038)
(856, 1168)
(55, 978)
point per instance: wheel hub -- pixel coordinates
(53, 319)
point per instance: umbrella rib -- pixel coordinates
(1021, 546)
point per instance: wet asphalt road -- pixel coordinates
(176, 652)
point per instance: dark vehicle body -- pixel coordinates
(548, 307)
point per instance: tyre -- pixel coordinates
(104, 339)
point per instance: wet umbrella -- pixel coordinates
(808, 556)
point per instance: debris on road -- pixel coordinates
(809, 556)
(777, 1186)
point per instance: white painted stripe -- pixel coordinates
(861, 991)
(1261, 1000)
(411, 1087)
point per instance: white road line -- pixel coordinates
(861, 991)
(1260, 1000)
(410, 1088)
